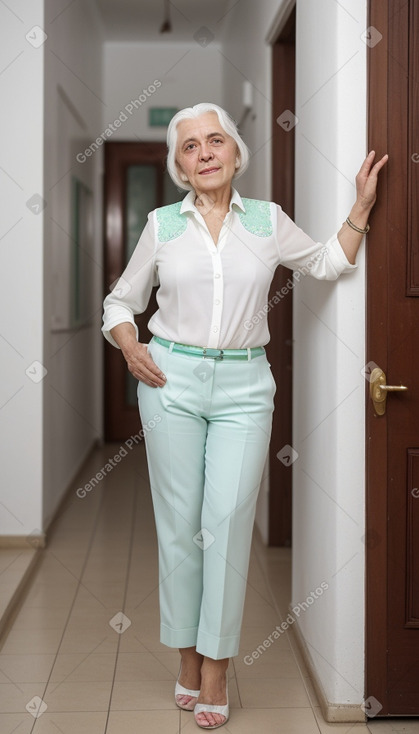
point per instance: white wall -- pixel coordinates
(188, 74)
(329, 334)
(21, 234)
(73, 356)
(50, 417)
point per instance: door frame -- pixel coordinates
(279, 349)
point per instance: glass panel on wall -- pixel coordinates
(141, 199)
(141, 192)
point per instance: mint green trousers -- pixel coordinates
(206, 452)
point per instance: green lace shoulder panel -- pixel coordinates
(257, 218)
(171, 223)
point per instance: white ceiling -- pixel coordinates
(140, 20)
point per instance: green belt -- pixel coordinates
(208, 353)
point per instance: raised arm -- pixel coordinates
(327, 261)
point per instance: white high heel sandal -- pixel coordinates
(206, 708)
(181, 691)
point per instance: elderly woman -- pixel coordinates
(207, 377)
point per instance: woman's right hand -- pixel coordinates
(138, 360)
(142, 366)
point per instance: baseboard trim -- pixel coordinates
(35, 540)
(38, 540)
(15, 592)
(332, 712)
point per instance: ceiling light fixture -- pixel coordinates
(166, 26)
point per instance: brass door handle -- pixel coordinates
(379, 390)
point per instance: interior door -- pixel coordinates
(136, 182)
(392, 623)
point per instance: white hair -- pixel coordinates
(228, 125)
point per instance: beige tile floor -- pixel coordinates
(66, 668)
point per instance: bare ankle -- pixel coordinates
(215, 667)
(190, 652)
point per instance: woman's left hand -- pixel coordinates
(366, 180)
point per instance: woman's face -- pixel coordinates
(205, 154)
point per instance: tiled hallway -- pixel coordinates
(72, 657)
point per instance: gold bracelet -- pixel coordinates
(358, 229)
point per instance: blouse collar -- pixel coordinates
(188, 204)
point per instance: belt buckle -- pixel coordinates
(213, 354)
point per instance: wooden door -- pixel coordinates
(136, 182)
(392, 617)
(279, 349)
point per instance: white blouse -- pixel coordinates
(216, 295)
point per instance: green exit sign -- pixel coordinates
(160, 116)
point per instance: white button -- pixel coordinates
(215, 328)
(217, 275)
(217, 301)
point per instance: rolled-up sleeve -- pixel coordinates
(324, 261)
(132, 290)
